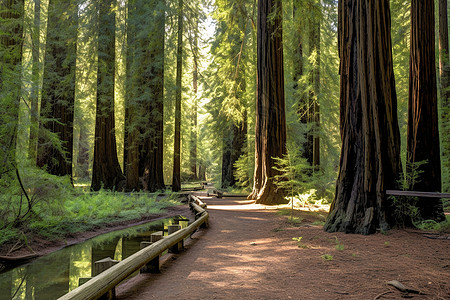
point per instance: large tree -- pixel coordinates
(11, 39)
(176, 176)
(58, 90)
(370, 155)
(144, 107)
(154, 75)
(423, 131)
(270, 123)
(444, 72)
(106, 170)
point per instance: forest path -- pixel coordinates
(248, 253)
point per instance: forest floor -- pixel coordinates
(248, 252)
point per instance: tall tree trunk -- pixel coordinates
(34, 103)
(155, 74)
(444, 67)
(315, 82)
(370, 155)
(423, 131)
(58, 90)
(132, 109)
(227, 167)
(176, 177)
(11, 40)
(270, 132)
(106, 172)
(193, 144)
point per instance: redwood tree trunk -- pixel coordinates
(370, 157)
(193, 144)
(11, 39)
(153, 79)
(106, 172)
(270, 135)
(444, 67)
(176, 176)
(58, 90)
(132, 109)
(423, 131)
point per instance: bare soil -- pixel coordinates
(248, 252)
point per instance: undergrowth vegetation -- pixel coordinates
(50, 207)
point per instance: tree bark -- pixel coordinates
(444, 67)
(11, 39)
(132, 109)
(193, 144)
(155, 75)
(58, 90)
(106, 172)
(270, 132)
(370, 155)
(176, 176)
(423, 131)
(34, 103)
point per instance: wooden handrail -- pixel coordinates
(417, 194)
(102, 283)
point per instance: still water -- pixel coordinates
(51, 276)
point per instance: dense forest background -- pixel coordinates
(140, 95)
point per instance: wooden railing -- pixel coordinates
(103, 283)
(417, 194)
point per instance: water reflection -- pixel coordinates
(54, 275)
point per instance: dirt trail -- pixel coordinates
(248, 253)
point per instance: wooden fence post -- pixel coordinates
(178, 246)
(103, 265)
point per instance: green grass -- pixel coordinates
(83, 211)
(327, 257)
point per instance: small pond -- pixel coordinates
(51, 276)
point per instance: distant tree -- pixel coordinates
(58, 90)
(106, 172)
(34, 101)
(423, 130)
(270, 123)
(370, 155)
(11, 39)
(144, 107)
(176, 177)
(193, 137)
(132, 109)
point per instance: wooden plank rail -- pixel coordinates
(107, 280)
(417, 194)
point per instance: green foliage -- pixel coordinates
(339, 245)
(55, 208)
(327, 257)
(405, 211)
(299, 242)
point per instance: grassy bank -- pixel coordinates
(52, 209)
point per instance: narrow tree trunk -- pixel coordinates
(58, 90)
(176, 177)
(193, 144)
(370, 157)
(132, 109)
(227, 168)
(270, 132)
(444, 67)
(423, 131)
(34, 103)
(315, 82)
(106, 172)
